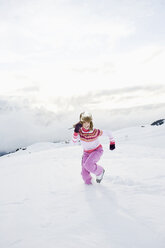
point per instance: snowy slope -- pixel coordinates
(45, 204)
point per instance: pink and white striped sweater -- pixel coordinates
(90, 139)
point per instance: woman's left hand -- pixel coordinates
(112, 145)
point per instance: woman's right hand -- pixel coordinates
(77, 127)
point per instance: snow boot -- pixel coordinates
(100, 177)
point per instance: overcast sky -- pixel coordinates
(66, 56)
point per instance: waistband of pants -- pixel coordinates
(89, 151)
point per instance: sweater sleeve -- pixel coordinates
(109, 134)
(75, 137)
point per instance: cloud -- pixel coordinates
(34, 89)
(105, 67)
(154, 55)
(25, 130)
(22, 123)
(101, 42)
(105, 99)
(37, 27)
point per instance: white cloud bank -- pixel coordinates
(21, 124)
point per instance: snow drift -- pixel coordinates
(44, 202)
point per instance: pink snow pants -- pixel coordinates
(89, 165)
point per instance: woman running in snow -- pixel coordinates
(93, 150)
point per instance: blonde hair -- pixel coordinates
(85, 119)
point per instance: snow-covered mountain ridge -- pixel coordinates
(44, 202)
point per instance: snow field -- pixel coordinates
(44, 202)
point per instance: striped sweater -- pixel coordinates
(90, 139)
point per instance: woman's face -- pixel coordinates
(86, 125)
